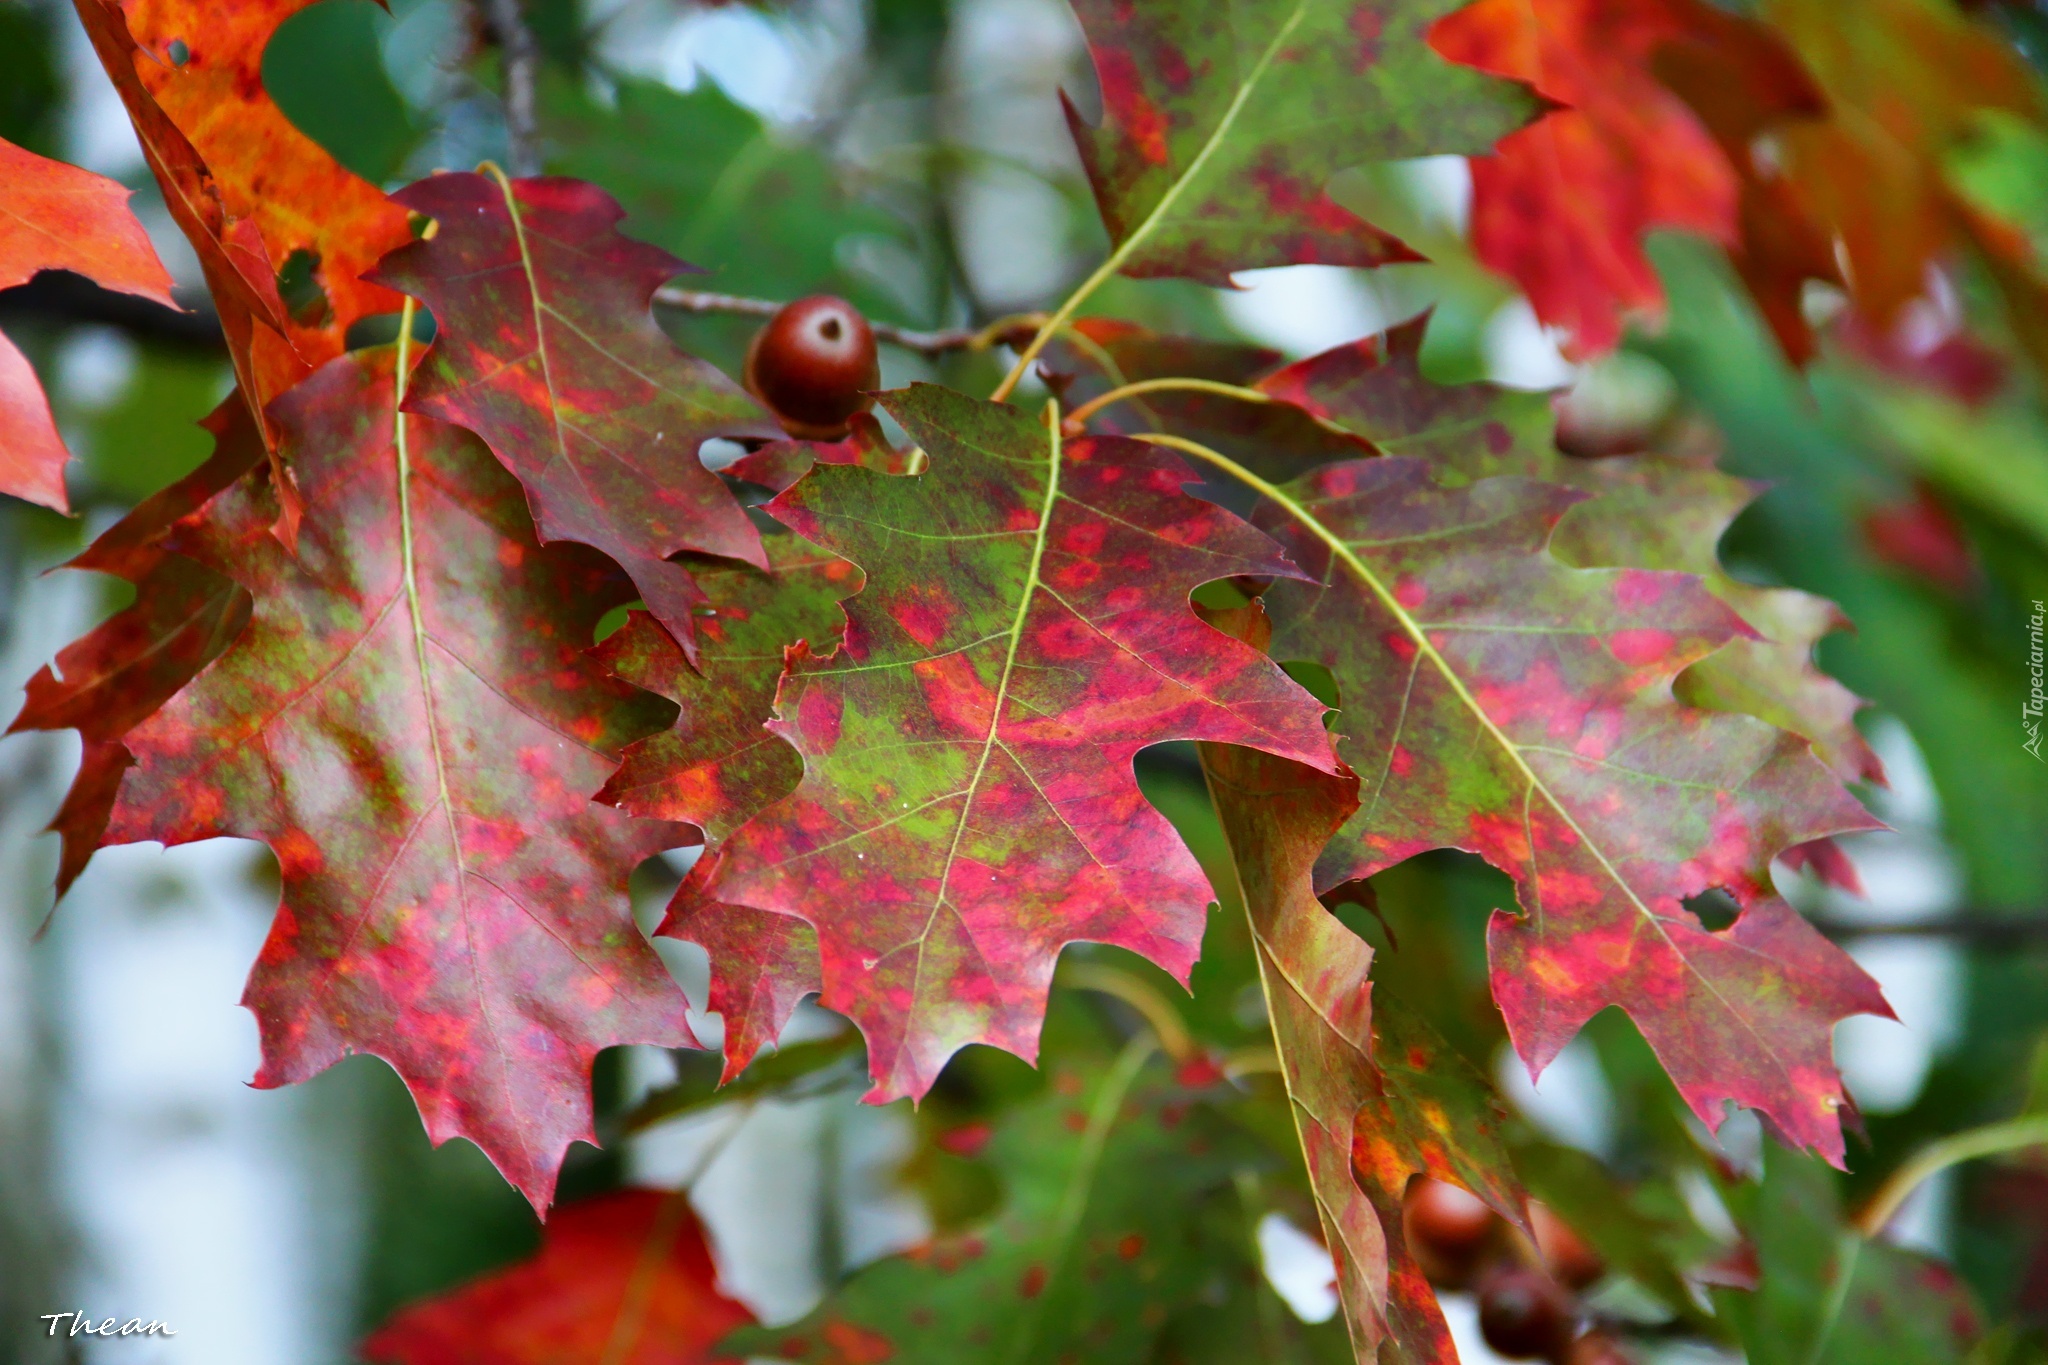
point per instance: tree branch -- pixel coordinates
(506, 21)
(62, 297)
(1974, 927)
(1015, 328)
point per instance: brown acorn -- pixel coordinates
(812, 366)
(1448, 1230)
(1523, 1313)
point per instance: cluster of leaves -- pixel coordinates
(904, 697)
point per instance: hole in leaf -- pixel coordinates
(298, 284)
(1715, 909)
(612, 620)
(1320, 682)
(178, 52)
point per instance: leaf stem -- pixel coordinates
(2026, 1131)
(1139, 994)
(1009, 328)
(1078, 418)
(1138, 235)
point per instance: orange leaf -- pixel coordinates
(58, 217)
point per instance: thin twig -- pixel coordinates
(2027, 1131)
(1157, 1011)
(1004, 330)
(1977, 928)
(507, 22)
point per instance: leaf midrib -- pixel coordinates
(401, 447)
(1342, 550)
(995, 719)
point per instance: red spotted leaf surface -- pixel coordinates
(1427, 1112)
(625, 1278)
(968, 805)
(411, 722)
(58, 217)
(719, 764)
(1106, 1177)
(1644, 511)
(1220, 129)
(1496, 700)
(119, 673)
(1562, 206)
(549, 351)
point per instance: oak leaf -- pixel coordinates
(412, 724)
(247, 189)
(1905, 83)
(1494, 699)
(968, 805)
(58, 217)
(1644, 511)
(1562, 206)
(626, 1277)
(1220, 130)
(718, 765)
(1370, 1111)
(120, 672)
(548, 350)
(302, 201)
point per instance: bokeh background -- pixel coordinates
(910, 154)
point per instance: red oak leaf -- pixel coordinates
(57, 217)
(1750, 89)
(300, 198)
(1494, 699)
(1647, 511)
(1218, 139)
(1562, 206)
(125, 668)
(968, 805)
(1369, 1116)
(411, 722)
(246, 188)
(549, 351)
(625, 1278)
